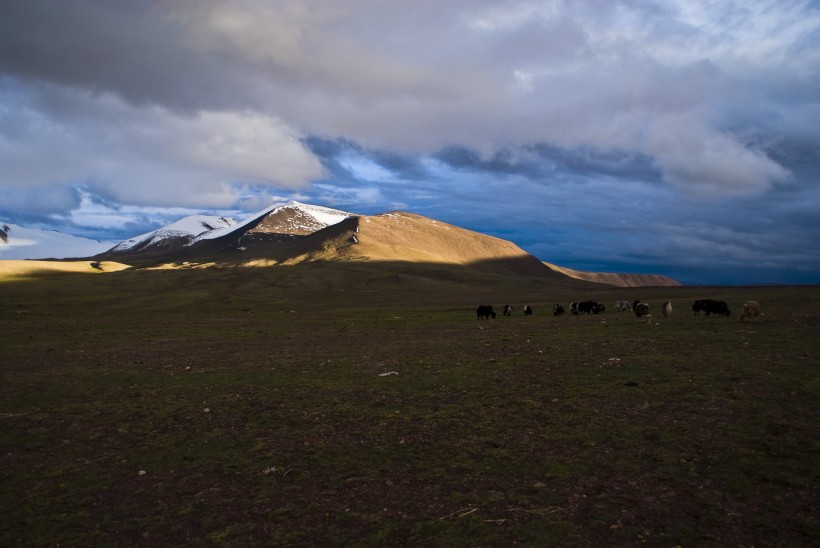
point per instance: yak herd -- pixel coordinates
(642, 310)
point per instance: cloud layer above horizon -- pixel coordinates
(652, 135)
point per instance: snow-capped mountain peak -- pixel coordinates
(293, 218)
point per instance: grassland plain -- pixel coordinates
(282, 407)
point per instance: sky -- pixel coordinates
(675, 137)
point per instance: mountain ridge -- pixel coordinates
(181, 232)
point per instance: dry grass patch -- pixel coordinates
(20, 268)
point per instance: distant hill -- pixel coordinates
(18, 242)
(619, 280)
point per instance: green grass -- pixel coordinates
(570, 431)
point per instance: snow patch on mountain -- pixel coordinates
(324, 215)
(32, 243)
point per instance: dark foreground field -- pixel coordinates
(234, 408)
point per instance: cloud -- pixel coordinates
(43, 200)
(420, 77)
(702, 161)
(144, 155)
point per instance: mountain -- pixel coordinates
(616, 279)
(17, 242)
(300, 233)
(277, 224)
(177, 234)
(297, 219)
(394, 237)
(399, 237)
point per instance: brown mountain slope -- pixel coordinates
(619, 280)
(399, 237)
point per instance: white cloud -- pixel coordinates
(703, 161)
(242, 146)
(147, 155)
(337, 196)
(366, 169)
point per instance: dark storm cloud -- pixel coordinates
(37, 204)
(541, 160)
(100, 46)
(502, 161)
(131, 48)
